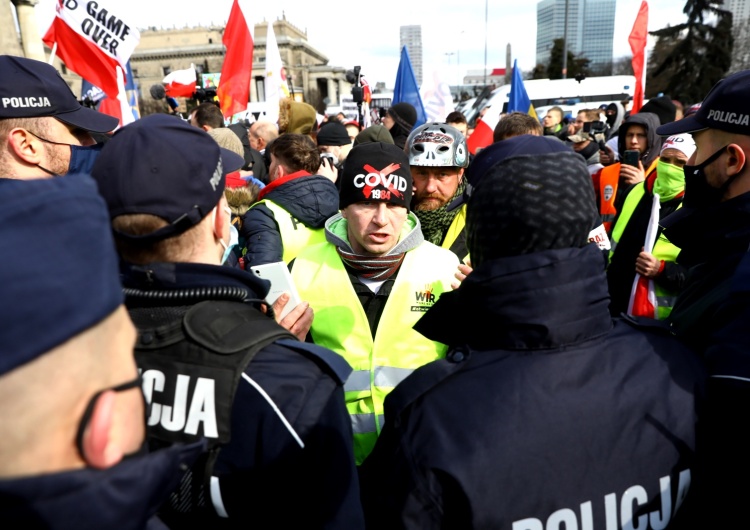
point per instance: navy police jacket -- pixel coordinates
(546, 413)
(279, 434)
(125, 496)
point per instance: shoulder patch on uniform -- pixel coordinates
(228, 327)
(335, 363)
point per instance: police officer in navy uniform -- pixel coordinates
(545, 412)
(44, 131)
(213, 365)
(73, 417)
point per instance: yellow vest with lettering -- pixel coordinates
(663, 249)
(294, 234)
(340, 323)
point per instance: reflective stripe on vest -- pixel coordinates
(294, 234)
(663, 249)
(384, 376)
(340, 323)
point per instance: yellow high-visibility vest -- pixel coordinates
(663, 248)
(340, 323)
(294, 234)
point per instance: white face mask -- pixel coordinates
(234, 239)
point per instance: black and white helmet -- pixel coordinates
(437, 144)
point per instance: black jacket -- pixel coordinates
(309, 199)
(125, 496)
(289, 462)
(544, 409)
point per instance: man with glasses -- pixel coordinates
(44, 131)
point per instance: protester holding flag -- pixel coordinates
(44, 130)
(627, 258)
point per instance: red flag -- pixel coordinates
(92, 40)
(643, 298)
(637, 39)
(234, 85)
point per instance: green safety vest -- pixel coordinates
(294, 234)
(341, 324)
(663, 249)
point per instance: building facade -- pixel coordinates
(411, 37)
(310, 77)
(591, 29)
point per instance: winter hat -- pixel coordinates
(333, 133)
(228, 140)
(530, 194)
(296, 117)
(404, 114)
(376, 171)
(682, 142)
(662, 107)
(374, 133)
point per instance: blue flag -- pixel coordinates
(406, 89)
(518, 99)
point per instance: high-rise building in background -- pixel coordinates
(591, 29)
(411, 37)
(740, 10)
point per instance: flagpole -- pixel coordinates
(53, 53)
(485, 42)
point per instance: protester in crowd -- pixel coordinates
(637, 133)
(552, 123)
(663, 107)
(457, 120)
(254, 165)
(399, 120)
(438, 156)
(207, 116)
(712, 229)
(296, 117)
(374, 133)
(44, 131)
(333, 139)
(577, 420)
(371, 281)
(352, 129)
(70, 399)
(262, 133)
(516, 124)
(585, 144)
(627, 256)
(214, 366)
(293, 208)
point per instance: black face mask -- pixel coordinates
(86, 418)
(698, 192)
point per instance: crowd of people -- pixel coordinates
(545, 334)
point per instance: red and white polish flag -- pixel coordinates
(180, 83)
(92, 40)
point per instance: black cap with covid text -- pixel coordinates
(162, 166)
(33, 89)
(376, 172)
(726, 108)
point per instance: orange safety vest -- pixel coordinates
(609, 178)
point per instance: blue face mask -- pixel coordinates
(82, 157)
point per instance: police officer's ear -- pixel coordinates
(100, 449)
(735, 160)
(25, 146)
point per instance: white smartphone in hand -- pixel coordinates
(281, 281)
